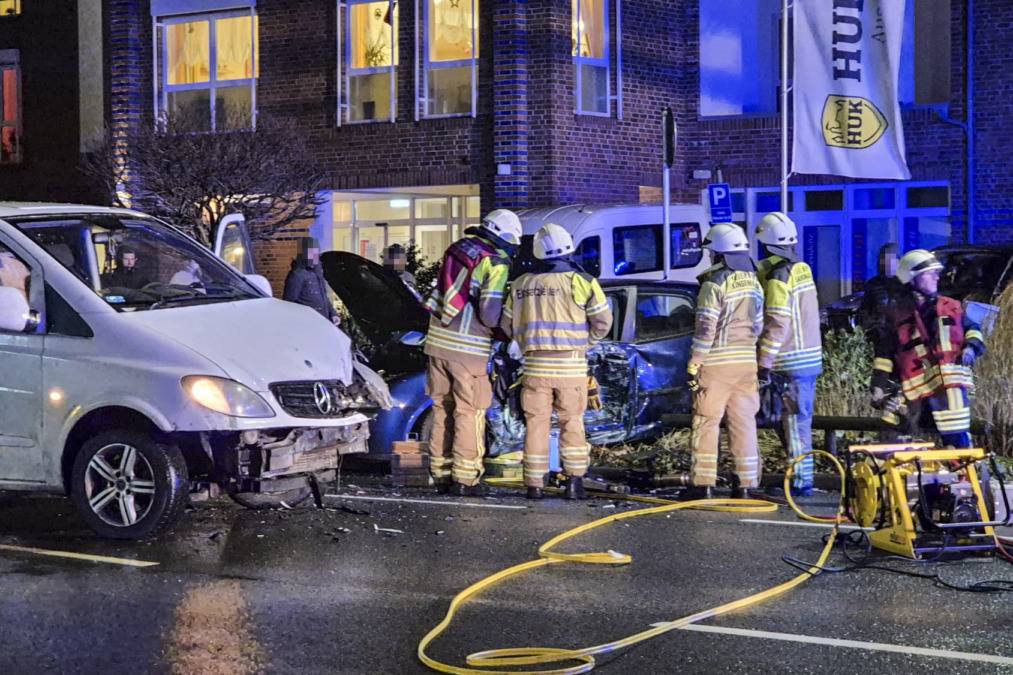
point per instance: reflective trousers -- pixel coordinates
(730, 390)
(948, 411)
(461, 394)
(539, 398)
(795, 407)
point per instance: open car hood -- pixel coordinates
(378, 300)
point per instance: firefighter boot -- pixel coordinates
(536, 493)
(574, 488)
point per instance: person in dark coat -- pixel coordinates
(305, 284)
(881, 291)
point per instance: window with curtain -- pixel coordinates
(371, 52)
(450, 76)
(590, 35)
(10, 107)
(208, 67)
(10, 8)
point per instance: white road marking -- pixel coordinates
(367, 498)
(854, 644)
(799, 523)
(78, 556)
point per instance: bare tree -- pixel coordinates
(192, 179)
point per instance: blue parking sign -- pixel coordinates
(720, 202)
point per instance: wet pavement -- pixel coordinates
(325, 591)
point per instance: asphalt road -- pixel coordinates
(323, 591)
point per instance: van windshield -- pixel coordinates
(136, 263)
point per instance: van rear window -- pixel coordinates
(687, 246)
(637, 249)
(588, 255)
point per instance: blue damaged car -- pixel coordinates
(640, 366)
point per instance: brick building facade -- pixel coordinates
(509, 126)
(51, 99)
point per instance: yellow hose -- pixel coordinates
(585, 657)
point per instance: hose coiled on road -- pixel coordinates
(533, 656)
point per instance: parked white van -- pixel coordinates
(625, 241)
(127, 384)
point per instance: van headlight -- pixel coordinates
(225, 396)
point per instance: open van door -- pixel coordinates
(233, 245)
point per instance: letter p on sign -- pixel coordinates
(720, 202)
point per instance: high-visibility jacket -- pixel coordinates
(729, 318)
(554, 317)
(791, 342)
(467, 308)
(924, 360)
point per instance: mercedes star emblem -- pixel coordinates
(322, 398)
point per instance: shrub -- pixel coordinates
(843, 388)
(993, 379)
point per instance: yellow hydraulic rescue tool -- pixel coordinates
(921, 500)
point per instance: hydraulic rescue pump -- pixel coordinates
(924, 500)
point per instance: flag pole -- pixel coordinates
(784, 106)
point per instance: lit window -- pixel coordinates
(591, 56)
(10, 8)
(208, 67)
(450, 77)
(371, 52)
(740, 55)
(10, 107)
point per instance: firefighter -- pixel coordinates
(554, 316)
(790, 345)
(466, 305)
(722, 364)
(930, 351)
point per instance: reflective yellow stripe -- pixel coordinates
(886, 365)
(546, 366)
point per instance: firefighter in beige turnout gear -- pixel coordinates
(791, 344)
(554, 316)
(466, 306)
(722, 365)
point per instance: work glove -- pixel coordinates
(968, 356)
(514, 350)
(593, 394)
(694, 378)
(763, 376)
(892, 404)
(878, 395)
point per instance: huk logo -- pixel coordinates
(852, 122)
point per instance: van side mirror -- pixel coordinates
(261, 284)
(15, 314)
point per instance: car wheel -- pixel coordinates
(425, 426)
(128, 486)
(259, 501)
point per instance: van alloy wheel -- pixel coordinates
(119, 485)
(127, 485)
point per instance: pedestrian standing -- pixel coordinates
(466, 306)
(791, 345)
(722, 365)
(554, 316)
(931, 349)
(305, 282)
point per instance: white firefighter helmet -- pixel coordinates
(726, 238)
(504, 224)
(916, 262)
(777, 229)
(552, 241)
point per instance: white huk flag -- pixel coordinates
(847, 113)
